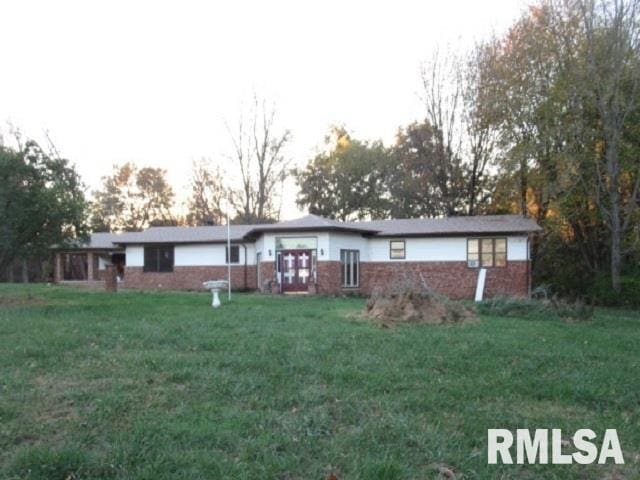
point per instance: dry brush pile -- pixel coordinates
(411, 301)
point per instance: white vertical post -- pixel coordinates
(228, 255)
(482, 275)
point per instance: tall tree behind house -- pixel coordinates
(208, 195)
(259, 155)
(132, 199)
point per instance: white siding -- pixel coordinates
(345, 241)
(517, 248)
(134, 256)
(442, 249)
(196, 255)
(206, 254)
(209, 254)
(259, 247)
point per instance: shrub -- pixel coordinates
(532, 309)
(602, 293)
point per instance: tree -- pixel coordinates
(442, 81)
(207, 195)
(132, 199)
(480, 145)
(41, 202)
(612, 49)
(420, 180)
(526, 85)
(462, 137)
(258, 152)
(562, 86)
(346, 181)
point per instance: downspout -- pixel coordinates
(245, 265)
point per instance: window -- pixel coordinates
(235, 254)
(75, 266)
(350, 263)
(158, 259)
(486, 252)
(296, 243)
(396, 249)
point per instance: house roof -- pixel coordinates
(314, 222)
(95, 241)
(476, 225)
(485, 224)
(206, 234)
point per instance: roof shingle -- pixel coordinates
(476, 225)
(484, 224)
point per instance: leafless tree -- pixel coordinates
(481, 134)
(453, 98)
(442, 84)
(258, 151)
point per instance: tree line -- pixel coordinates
(542, 121)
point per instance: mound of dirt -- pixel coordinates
(422, 307)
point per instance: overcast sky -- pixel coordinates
(153, 82)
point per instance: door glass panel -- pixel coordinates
(289, 268)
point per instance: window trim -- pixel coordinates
(345, 251)
(227, 256)
(493, 251)
(404, 250)
(157, 247)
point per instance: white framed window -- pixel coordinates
(486, 252)
(397, 250)
(350, 266)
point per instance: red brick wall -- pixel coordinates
(329, 279)
(268, 272)
(190, 278)
(453, 279)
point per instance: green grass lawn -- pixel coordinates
(159, 386)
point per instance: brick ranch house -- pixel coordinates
(315, 254)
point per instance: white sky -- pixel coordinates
(153, 82)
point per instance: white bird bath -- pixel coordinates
(215, 286)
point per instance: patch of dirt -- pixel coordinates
(445, 471)
(55, 406)
(410, 302)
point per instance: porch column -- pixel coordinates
(57, 268)
(90, 266)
